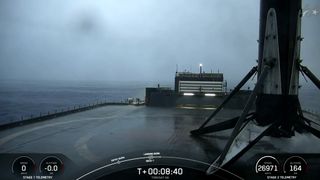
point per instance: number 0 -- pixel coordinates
(23, 168)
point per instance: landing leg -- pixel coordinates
(249, 135)
(228, 124)
(235, 90)
(310, 75)
(238, 130)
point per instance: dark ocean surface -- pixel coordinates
(25, 98)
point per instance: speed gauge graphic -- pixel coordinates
(23, 166)
(267, 165)
(51, 165)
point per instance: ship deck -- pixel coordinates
(107, 132)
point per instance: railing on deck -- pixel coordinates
(58, 113)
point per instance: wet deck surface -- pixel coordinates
(87, 136)
(111, 131)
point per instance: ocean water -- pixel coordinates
(25, 98)
(310, 98)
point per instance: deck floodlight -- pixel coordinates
(209, 94)
(188, 94)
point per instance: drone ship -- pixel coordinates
(195, 90)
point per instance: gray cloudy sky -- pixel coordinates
(135, 39)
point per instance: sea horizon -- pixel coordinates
(21, 99)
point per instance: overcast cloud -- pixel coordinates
(140, 40)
